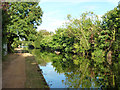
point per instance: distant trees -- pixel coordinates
(21, 18)
(41, 34)
(77, 35)
(89, 37)
(89, 47)
(43, 38)
(111, 30)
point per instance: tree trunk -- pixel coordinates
(9, 48)
(109, 57)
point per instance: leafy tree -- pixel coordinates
(5, 21)
(89, 49)
(110, 35)
(77, 35)
(61, 41)
(23, 20)
(42, 40)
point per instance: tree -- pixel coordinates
(23, 20)
(5, 21)
(110, 34)
(40, 36)
(80, 32)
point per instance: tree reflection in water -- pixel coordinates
(81, 71)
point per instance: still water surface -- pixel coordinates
(73, 71)
(52, 78)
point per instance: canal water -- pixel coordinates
(55, 79)
(51, 76)
(73, 71)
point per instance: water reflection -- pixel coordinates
(79, 71)
(52, 78)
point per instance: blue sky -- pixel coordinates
(56, 11)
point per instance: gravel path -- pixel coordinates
(14, 71)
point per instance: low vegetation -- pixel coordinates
(34, 77)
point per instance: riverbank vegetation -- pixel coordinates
(34, 79)
(96, 42)
(86, 36)
(19, 21)
(88, 46)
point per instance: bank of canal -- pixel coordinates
(34, 77)
(66, 71)
(20, 70)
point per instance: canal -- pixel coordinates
(74, 71)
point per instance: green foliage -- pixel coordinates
(75, 35)
(22, 20)
(43, 39)
(83, 28)
(86, 44)
(86, 36)
(5, 21)
(110, 23)
(86, 47)
(78, 70)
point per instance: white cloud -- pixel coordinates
(76, 1)
(57, 22)
(52, 26)
(51, 20)
(100, 17)
(51, 13)
(113, 1)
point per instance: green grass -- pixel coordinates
(34, 79)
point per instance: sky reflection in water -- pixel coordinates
(66, 71)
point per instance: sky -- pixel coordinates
(55, 11)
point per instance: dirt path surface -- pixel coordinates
(14, 71)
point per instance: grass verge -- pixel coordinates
(34, 78)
